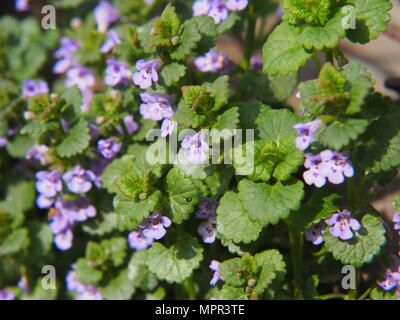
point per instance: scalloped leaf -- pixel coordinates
(283, 53)
(362, 248)
(176, 263)
(76, 142)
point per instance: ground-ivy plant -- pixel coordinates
(118, 169)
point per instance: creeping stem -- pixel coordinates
(296, 245)
(251, 28)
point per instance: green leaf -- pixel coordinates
(116, 169)
(311, 11)
(271, 159)
(206, 25)
(371, 19)
(321, 206)
(230, 270)
(274, 124)
(183, 195)
(105, 223)
(231, 293)
(228, 120)
(41, 241)
(228, 23)
(321, 37)
(339, 133)
(273, 268)
(172, 73)
(382, 152)
(233, 219)
(270, 203)
(361, 85)
(119, 288)
(365, 244)
(188, 41)
(176, 263)
(132, 212)
(283, 53)
(19, 146)
(219, 90)
(378, 293)
(76, 142)
(15, 242)
(139, 271)
(14, 199)
(86, 273)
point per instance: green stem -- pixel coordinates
(190, 288)
(365, 294)
(316, 60)
(296, 244)
(332, 296)
(249, 45)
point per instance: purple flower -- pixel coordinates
(21, 5)
(31, 88)
(156, 106)
(149, 2)
(80, 209)
(82, 77)
(154, 226)
(85, 292)
(137, 240)
(342, 225)
(130, 124)
(105, 14)
(197, 148)
(117, 72)
(335, 166)
(43, 202)
(23, 284)
(49, 183)
(39, 153)
(208, 230)
(218, 11)
(65, 55)
(201, 7)
(392, 279)
(236, 5)
(396, 220)
(112, 41)
(147, 73)
(314, 234)
(214, 266)
(330, 165)
(214, 61)
(79, 180)
(109, 147)
(306, 132)
(256, 63)
(207, 208)
(167, 127)
(63, 240)
(3, 142)
(6, 295)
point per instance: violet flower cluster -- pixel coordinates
(31, 88)
(157, 106)
(146, 73)
(207, 211)
(214, 61)
(341, 224)
(328, 165)
(109, 148)
(217, 9)
(152, 228)
(105, 14)
(65, 213)
(84, 292)
(6, 295)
